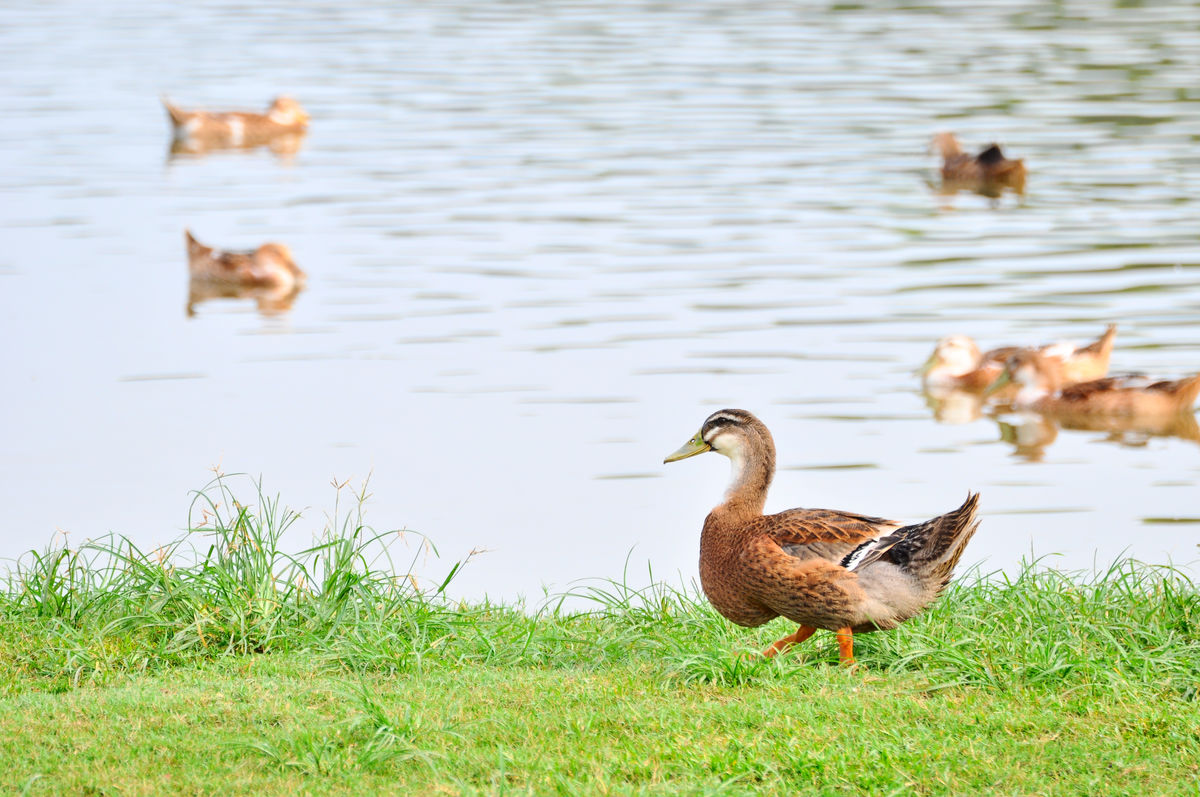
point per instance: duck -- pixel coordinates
(957, 363)
(270, 265)
(823, 569)
(985, 172)
(1129, 395)
(197, 131)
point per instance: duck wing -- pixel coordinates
(992, 155)
(1001, 354)
(233, 266)
(1088, 391)
(179, 117)
(827, 534)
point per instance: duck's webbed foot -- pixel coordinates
(802, 633)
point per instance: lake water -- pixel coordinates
(545, 240)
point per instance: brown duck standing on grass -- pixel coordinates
(821, 568)
(958, 363)
(1129, 396)
(199, 131)
(986, 172)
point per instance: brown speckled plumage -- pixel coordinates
(818, 567)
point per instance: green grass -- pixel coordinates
(224, 663)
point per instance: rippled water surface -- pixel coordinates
(545, 240)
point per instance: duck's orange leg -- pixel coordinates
(802, 633)
(845, 638)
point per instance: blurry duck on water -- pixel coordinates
(1040, 389)
(280, 128)
(821, 568)
(267, 274)
(987, 173)
(958, 363)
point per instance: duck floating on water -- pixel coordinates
(281, 128)
(958, 363)
(268, 274)
(821, 568)
(1130, 395)
(987, 173)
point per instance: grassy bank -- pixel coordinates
(225, 663)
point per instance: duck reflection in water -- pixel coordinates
(281, 129)
(268, 275)
(1031, 433)
(990, 173)
(952, 406)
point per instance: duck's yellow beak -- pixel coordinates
(1000, 382)
(689, 449)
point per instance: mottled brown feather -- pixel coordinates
(805, 526)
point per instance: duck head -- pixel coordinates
(743, 438)
(280, 256)
(1033, 374)
(954, 355)
(286, 111)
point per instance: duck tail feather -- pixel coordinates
(929, 551)
(178, 117)
(1186, 392)
(194, 247)
(1104, 345)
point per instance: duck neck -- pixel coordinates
(753, 468)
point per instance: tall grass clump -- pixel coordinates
(1131, 623)
(227, 586)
